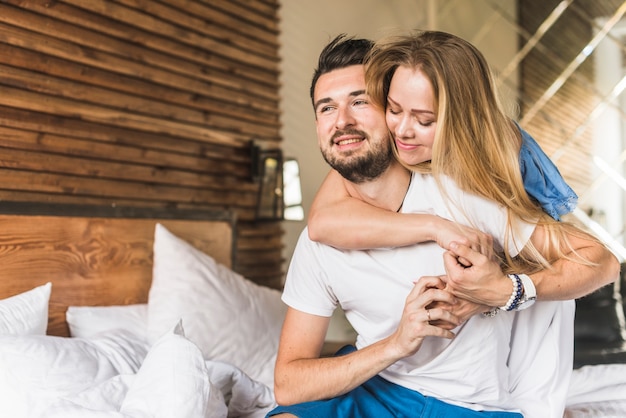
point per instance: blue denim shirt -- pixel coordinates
(542, 179)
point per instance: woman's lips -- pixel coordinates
(405, 147)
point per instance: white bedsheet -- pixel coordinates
(598, 383)
(115, 376)
(231, 394)
(173, 380)
(597, 391)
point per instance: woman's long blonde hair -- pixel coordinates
(476, 144)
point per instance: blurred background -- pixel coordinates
(560, 67)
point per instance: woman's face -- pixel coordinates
(411, 115)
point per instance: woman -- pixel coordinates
(445, 118)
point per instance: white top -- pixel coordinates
(371, 287)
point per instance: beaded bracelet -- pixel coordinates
(516, 294)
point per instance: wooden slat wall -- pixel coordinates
(558, 121)
(148, 103)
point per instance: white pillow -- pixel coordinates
(36, 369)
(88, 321)
(173, 382)
(229, 317)
(26, 313)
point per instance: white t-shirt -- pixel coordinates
(371, 287)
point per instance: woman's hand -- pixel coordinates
(447, 232)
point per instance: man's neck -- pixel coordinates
(387, 191)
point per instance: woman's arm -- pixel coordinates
(336, 218)
(568, 278)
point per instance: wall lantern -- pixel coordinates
(280, 195)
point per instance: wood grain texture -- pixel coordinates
(142, 103)
(94, 261)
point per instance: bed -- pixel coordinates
(121, 312)
(598, 386)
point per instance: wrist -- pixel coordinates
(504, 289)
(428, 226)
(529, 294)
(522, 295)
(515, 295)
(391, 348)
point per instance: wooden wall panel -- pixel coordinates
(556, 125)
(142, 103)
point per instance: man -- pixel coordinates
(401, 355)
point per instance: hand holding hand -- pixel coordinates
(417, 321)
(462, 309)
(448, 232)
(483, 282)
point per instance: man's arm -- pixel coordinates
(485, 283)
(302, 376)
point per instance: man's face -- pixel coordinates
(352, 133)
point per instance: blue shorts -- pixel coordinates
(379, 398)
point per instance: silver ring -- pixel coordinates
(428, 314)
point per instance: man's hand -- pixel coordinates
(417, 321)
(462, 309)
(483, 282)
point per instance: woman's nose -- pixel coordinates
(404, 129)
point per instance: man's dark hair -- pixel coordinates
(341, 52)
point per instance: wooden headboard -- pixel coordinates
(96, 256)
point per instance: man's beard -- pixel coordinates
(363, 168)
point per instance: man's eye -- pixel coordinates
(361, 102)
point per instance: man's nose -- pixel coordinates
(345, 118)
